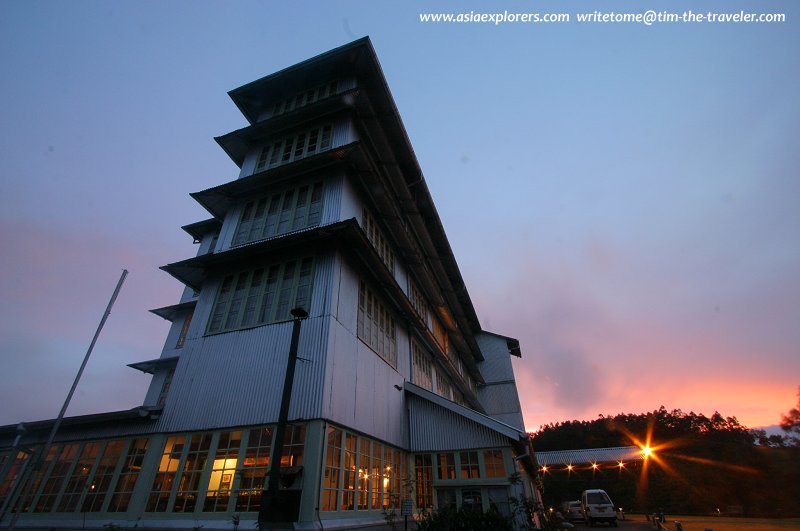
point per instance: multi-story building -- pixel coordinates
(398, 394)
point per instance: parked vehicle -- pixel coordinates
(597, 507)
(572, 510)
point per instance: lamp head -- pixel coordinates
(299, 313)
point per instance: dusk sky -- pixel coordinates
(624, 199)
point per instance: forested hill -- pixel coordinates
(700, 464)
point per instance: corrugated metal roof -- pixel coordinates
(589, 456)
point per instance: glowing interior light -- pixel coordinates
(647, 451)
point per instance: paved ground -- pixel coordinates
(702, 523)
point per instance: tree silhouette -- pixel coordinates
(790, 423)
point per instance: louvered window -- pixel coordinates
(305, 97)
(262, 295)
(280, 212)
(378, 240)
(295, 147)
(423, 372)
(376, 325)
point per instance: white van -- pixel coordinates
(598, 507)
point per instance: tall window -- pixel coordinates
(294, 440)
(423, 372)
(364, 452)
(279, 213)
(443, 386)
(194, 465)
(254, 469)
(295, 147)
(360, 474)
(128, 475)
(11, 476)
(378, 240)
(333, 465)
(423, 466)
(60, 472)
(220, 484)
(165, 477)
(101, 482)
(447, 465)
(349, 472)
(162, 396)
(376, 325)
(184, 330)
(262, 295)
(79, 479)
(440, 334)
(419, 303)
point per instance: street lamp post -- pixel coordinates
(269, 497)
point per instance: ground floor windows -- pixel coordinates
(495, 498)
(128, 475)
(213, 472)
(87, 477)
(226, 471)
(361, 474)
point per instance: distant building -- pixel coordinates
(398, 393)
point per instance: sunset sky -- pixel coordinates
(624, 199)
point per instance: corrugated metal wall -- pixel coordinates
(434, 428)
(236, 378)
(499, 397)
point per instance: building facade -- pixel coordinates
(398, 394)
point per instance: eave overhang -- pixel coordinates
(151, 366)
(193, 271)
(168, 313)
(201, 228)
(219, 199)
(424, 262)
(255, 97)
(237, 144)
(514, 348)
(137, 413)
(389, 147)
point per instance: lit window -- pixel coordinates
(469, 465)
(493, 461)
(447, 466)
(223, 469)
(360, 474)
(423, 467)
